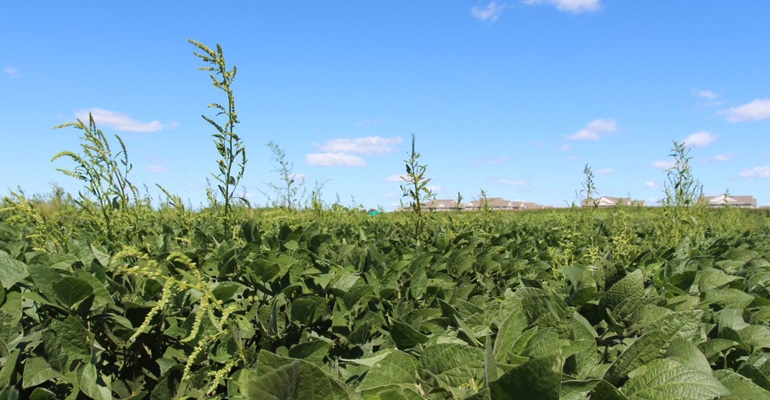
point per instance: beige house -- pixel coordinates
(725, 200)
(608, 201)
(443, 205)
(500, 204)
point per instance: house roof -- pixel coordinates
(724, 199)
(442, 204)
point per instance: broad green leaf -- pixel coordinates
(453, 364)
(654, 342)
(728, 297)
(583, 332)
(10, 327)
(665, 379)
(396, 368)
(225, 291)
(686, 353)
(537, 379)
(740, 387)
(314, 351)
(625, 296)
(73, 339)
(756, 336)
(11, 271)
(70, 290)
(92, 384)
(9, 367)
(577, 390)
(42, 394)
(405, 336)
(36, 371)
(712, 278)
(283, 378)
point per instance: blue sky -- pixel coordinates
(512, 97)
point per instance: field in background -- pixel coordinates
(331, 303)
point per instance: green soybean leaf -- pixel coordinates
(396, 368)
(405, 336)
(42, 394)
(92, 384)
(625, 296)
(687, 353)
(36, 371)
(283, 378)
(667, 379)
(537, 379)
(453, 364)
(70, 290)
(740, 387)
(654, 342)
(11, 271)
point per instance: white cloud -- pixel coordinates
(706, 94)
(564, 148)
(489, 13)
(573, 6)
(700, 139)
(664, 164)
(374, 145)
(757, 110)
(650, 184)
(155, 169)
(12, 72)
(334, 159)
(512, 182)
(434, 188)
(120, 121)
(573, 158)
(604, 171)
(489, 160)
(396, 178)
(757, 172)
(595, 129)
(723, 157)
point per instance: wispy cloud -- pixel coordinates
(703, 93)
(489, 160)
(434, 188)
(396, 178)
(374, 145)
(723, 157)
(756, 172)
(650, 184)
(595, 129)
(663, 164)
(489, 13)
(12, 72)
(334, 159)
(757, 110)
(604, 171)
(155, 169)
(121, 122)
(700, 139)
(571, 6)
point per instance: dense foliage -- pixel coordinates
(334, 304)
(104, 297)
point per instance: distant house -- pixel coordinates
(534, 206)
(608, 201)
(443, 205)
(496, 204)
(725, 200)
